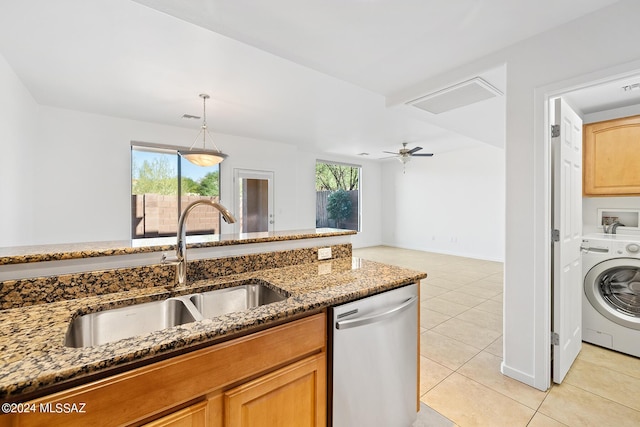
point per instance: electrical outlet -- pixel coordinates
(324, 253)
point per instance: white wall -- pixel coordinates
(615, 113)
(573, 54)
(295, 198)
(76, 187)
(17, 172)
(451, 203)
(590, 206)
(582, 51)
(84, 167)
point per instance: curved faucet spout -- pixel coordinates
(611, 228)
(181, 246)
(615, 226)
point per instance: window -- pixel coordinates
(162, 185)
(337, 195)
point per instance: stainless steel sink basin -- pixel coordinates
(118, 323)
(125, 322)
(239, 298)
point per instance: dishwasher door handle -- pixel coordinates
(366, 320)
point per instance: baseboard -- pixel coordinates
(442, 251)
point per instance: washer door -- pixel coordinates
(613, 288)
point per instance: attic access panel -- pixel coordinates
(456, 96)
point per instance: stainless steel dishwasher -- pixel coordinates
(374, 369)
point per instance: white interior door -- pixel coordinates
(253, 200)
(567, 220)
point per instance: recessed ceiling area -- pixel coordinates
(314, 74)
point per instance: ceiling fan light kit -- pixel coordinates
(404, 155)
(204, 156)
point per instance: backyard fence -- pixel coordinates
(322, 216)
(155, 215)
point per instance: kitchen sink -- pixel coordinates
(139, 319)
(118, 323)
(239, 298)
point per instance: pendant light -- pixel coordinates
(204, 156)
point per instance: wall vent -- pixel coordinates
(456, 96)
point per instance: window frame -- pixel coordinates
(359, 185)
(171, 150)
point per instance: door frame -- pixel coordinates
(240, 173)
(542, 294)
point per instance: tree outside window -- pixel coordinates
(337, 195)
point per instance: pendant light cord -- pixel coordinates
(204, 97)
(203, 129)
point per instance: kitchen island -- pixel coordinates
(35, 362)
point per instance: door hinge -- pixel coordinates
(555, 131)
(555, 235)
(555, 338)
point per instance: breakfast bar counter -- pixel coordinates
(35, 361)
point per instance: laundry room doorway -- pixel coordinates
(594, 97)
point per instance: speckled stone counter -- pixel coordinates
(33, 358)
(48, 289)
(40, 253)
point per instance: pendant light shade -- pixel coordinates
(204, 156)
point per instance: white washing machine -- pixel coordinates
(611, 297)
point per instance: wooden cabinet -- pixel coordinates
(191, 416)
(267, 373)
(292, 396)
(611, 158)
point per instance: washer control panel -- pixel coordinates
(612, 248)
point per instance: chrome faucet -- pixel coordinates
(180, 260)
(611, 228)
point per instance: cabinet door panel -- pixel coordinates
(193, 416)
(292, 396)
(612, 157)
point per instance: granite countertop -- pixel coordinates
(39, 253)
(33, 358)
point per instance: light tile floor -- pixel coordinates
(461, 352)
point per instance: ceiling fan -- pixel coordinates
(405, 154)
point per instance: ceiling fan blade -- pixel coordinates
(423, 155)
(390, 152)
(413, 150)
(388, 157)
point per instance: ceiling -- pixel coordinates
(313, 73)
(605, 96)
